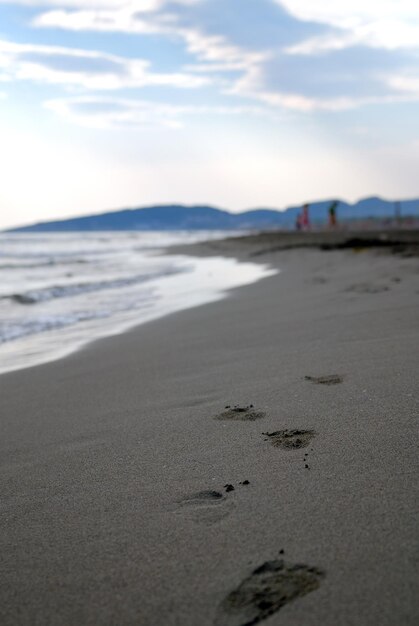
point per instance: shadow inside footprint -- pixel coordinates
(206, 507)
(290, 439)
(367, 288)
(332, 379)
(203, 496)
(241, 413)
(265, 591)
(317, 280)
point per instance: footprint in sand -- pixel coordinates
(332, 379)
(290, 439)
(317, 280)
(366, 288)
(240, 413)
(270, 587)
(206, 507)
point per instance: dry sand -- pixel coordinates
(125, 502)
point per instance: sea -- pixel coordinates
(59, 292)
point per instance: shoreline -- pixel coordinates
(110, 456)
(250, 248)
(207, 279)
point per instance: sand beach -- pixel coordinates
(254, 460)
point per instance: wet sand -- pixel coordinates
(249, 461)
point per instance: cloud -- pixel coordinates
(85, 69)
(257, 25)
(407, 83)
(215, 34)
(215, 50)
(293, 54)
(142, 5)
(323, 93)
(351, 13)
(347, 73)
(389, 24)
(353, 52)
(214, 31)
(125, 19)
(102, 113)
(125, 113)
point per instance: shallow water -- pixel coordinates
(60, 291)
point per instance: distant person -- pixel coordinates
(332, 215)
(306, 217)
(298, 222)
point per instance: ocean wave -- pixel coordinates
(53, 292)
(11, 331)
(34, 266)
(56, 257)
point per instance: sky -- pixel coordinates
(240, 104)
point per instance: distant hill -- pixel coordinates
(179, 217)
